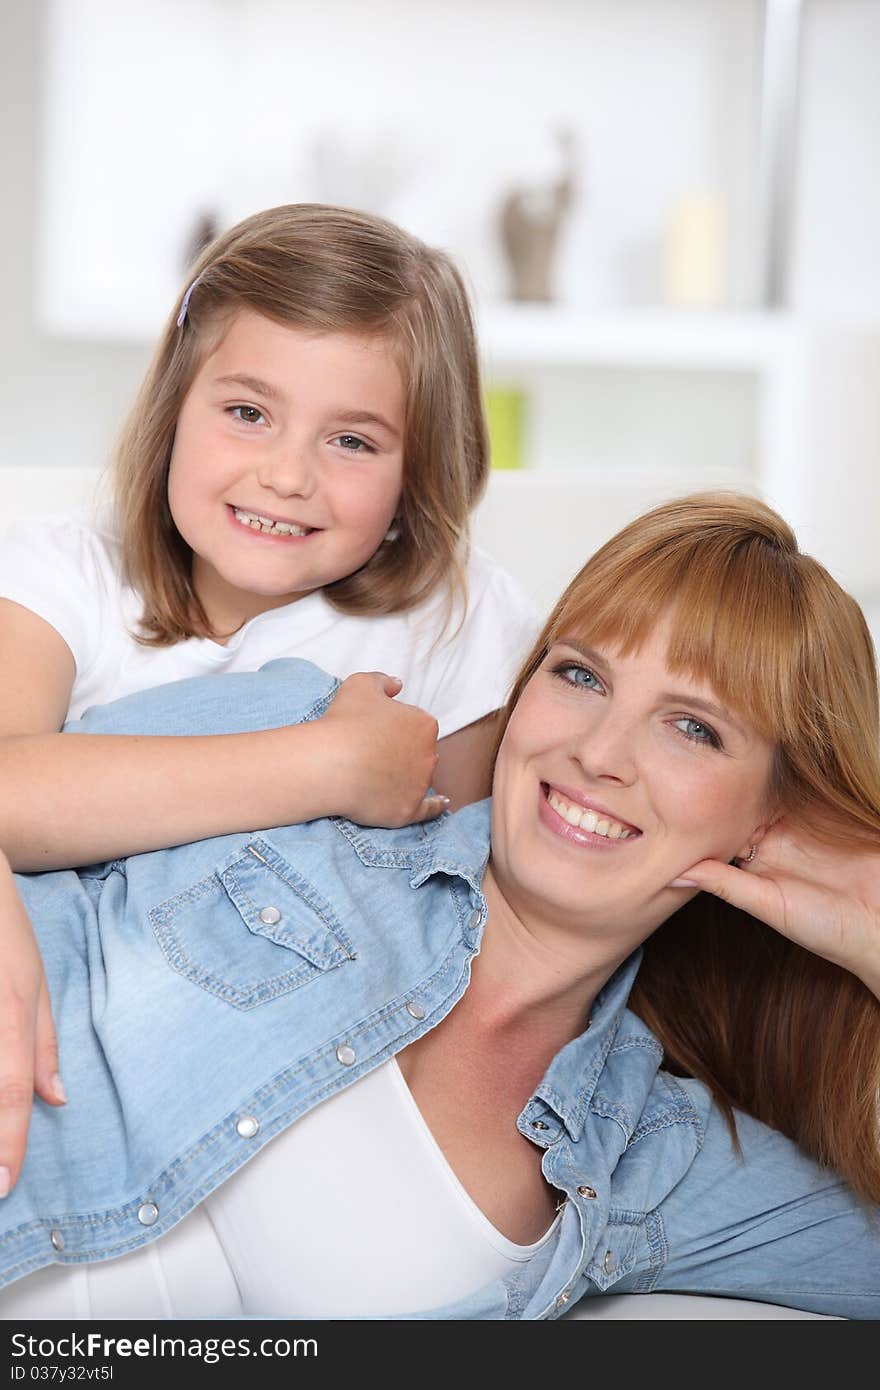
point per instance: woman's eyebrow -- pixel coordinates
(675, 697)
(588, 653)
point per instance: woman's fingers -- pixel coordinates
(754, 894)
(28, 1062)
(822, 913)
(16, 1086)
(47, 1080)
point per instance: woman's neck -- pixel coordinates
(532, 974)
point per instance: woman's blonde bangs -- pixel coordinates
(735, 623)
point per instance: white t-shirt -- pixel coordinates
(69, 574)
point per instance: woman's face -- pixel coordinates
(614, 777)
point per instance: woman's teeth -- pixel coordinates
(589, 820)
(263, 523)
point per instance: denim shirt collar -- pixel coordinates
(459, 847)
(574, 1073)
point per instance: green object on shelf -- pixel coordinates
(505, 414)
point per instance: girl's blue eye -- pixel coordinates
(354, 444)
(696, 731)
(248, 414)
(574, 674)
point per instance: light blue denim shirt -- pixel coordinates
(209, 995)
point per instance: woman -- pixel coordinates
(701, 694)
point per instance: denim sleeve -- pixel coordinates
(769, 1225)
(285, 691)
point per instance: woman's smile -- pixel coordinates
(580, 820)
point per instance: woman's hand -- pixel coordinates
(28, 1045)
(825, 899)
(381, 754)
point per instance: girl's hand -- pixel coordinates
(28, 1044)
(825, 899)
(382, 754)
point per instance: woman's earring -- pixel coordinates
(393, 532)
(753, 850)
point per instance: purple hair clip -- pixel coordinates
(181, 317)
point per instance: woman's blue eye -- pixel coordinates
(248, 414)
(573, 674)
(699, 733)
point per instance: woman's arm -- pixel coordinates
(823, 898)
(69, 801)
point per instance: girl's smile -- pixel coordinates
(287, 465)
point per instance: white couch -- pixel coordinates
(542, 526)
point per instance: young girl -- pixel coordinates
(296, 479)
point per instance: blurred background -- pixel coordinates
(668, 212)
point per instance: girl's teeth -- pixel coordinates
(262, 523)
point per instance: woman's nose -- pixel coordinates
(607, 751)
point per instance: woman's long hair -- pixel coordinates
(326, 270)
(769, 1027)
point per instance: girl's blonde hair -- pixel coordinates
(769, 1027)
(324, 269)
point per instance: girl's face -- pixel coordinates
(287, 465)
(614, 777)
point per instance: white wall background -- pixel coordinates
(173, 105)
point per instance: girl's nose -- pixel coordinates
(289, 472)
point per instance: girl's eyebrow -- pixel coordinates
(271, 393)
(365, 417)
(251, 383)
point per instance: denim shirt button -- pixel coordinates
(269, 916)
(608, 1262)
(586, 1191)
(57, 1240)
(563, 1298)
(539, 1124)
(345, 1054)
(415, 1010)
(476, 918)
(247, 1126)
(148, 1213)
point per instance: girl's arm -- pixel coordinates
(464, 769)
(67, 801)
(28, 1045)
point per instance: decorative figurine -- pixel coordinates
(530, 223)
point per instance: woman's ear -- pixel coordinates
(748, 852)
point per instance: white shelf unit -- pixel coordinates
(701, 398)
(543, 335)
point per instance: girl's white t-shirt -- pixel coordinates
(69, 573)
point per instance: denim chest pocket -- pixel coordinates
(251, 931)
